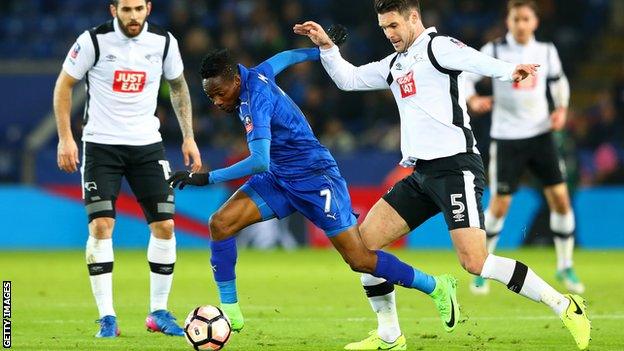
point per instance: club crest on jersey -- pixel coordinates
(407, 85)
(75, 51)
(129, 81)
(248, 123)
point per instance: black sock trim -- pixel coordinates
(100, 268)
(379, 290)
(562, 235)
(491, 235)
(518, 277)
(162, 268)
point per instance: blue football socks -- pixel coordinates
(396, 272)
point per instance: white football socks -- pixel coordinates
(99, 256)
(493, 227)
(382, 299)
(563, 227)
(161, 255)
(522, 280)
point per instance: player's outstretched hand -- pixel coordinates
(315, 32)
(180, 179)
(338, 34)
(524, 70)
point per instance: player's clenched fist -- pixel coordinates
(180, 179)
(524, 70)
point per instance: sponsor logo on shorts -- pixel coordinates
(129, 81)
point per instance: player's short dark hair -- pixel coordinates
(218, 63)
(116, 2)
(400, 6)
(512, 4)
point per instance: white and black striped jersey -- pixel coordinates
(122, 80)
(428, 85)
(521, 109)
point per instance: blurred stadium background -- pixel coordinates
(42, 207)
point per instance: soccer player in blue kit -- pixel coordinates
(291, 172)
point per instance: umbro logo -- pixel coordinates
(110, 58)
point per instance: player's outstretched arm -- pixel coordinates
(257, 162)
(279, 62)
(452, 54)
(371, 76)
(181, 102)
(67, 150)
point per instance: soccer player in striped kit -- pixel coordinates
(522, 136)
(122, 62)
(425, 75)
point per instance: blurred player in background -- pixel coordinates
(291, 171)
(425, 76)
(522, 136)
(122, 62)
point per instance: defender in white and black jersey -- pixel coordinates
(122, 62)
(425, 75)
(522, 136)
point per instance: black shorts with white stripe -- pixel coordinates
(452, 185)
(510, 158)
(145, 168)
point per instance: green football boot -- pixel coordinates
(234, 314)
(576, 320)
(374, 342)
(445, 297)
(571, 281)
(480, 286)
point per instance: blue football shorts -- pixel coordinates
(323, 198)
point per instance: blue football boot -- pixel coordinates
(108, 327)
(163, 321)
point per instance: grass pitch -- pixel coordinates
(302, 300)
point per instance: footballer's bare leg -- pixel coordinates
(99, 257)
(562, 224)
(238, 212)
(494, 221)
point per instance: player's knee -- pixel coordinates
(101, 228)
(163, 229)
(220, 228)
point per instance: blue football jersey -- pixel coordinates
(267, 112)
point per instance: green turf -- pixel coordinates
(303, 300)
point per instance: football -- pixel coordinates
(207, 328)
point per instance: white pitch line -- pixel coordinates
(366, 319)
